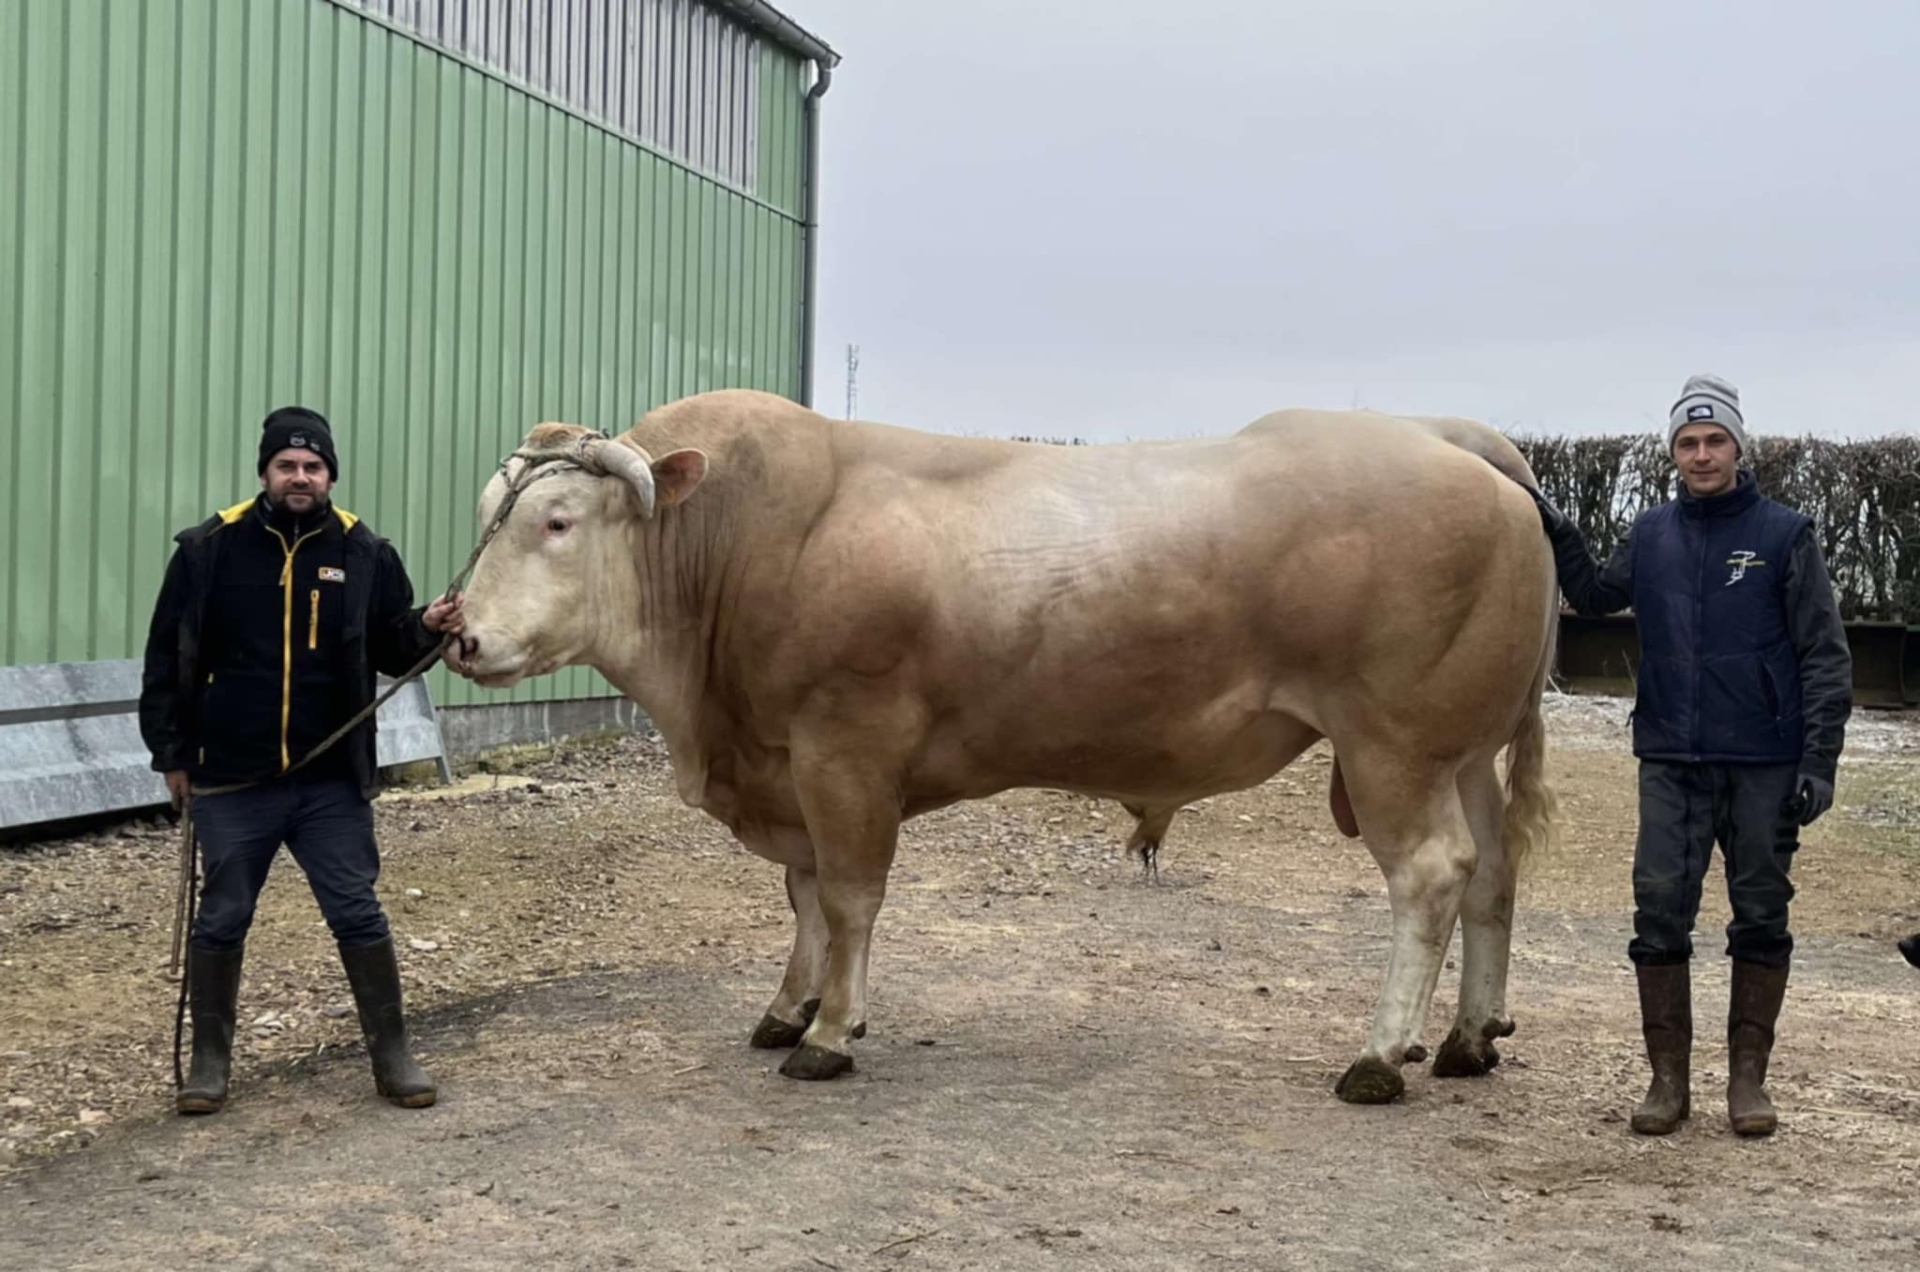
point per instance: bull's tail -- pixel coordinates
(1531, 804)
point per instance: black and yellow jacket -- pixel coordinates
(268, 635)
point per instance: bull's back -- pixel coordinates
(1487, 442)
(1286, 534)
(1144, 607)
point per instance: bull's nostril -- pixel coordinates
(469, 648)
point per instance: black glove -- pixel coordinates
(1811, 797)
(1555, 522)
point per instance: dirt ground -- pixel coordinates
(1068, 1067)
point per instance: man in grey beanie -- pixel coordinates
(1707, 399)
(1743, 693)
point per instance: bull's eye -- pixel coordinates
(556, 526)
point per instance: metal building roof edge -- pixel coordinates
(779, 28)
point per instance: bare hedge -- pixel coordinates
(1863, 496)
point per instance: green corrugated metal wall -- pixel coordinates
(214, 207)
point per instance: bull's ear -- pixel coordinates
(676, 475)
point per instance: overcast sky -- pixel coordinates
(1136, 219)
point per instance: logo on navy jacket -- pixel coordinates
(1742, 562)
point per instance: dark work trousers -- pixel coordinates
(1684, 810)
(326, 825)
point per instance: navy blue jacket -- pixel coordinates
(1743, 656)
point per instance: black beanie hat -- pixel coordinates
(297, 428)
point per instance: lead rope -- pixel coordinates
(189, 876)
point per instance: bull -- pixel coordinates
(837, 626)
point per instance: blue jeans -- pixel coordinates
(326, 825)
(1684, 810)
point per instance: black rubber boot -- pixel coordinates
(1757, 994)
(213, 989)
(1666, 1021)
(1910, 949)
(375, 977)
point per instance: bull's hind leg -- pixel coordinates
(1411, 817)
(794, 1006)
(1486, 934)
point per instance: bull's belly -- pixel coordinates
(1180, 761)
(1172, 762)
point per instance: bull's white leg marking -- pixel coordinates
(850, 908)
(1417, 831)
(807, 965)
(1425, 890)
(1486, 930)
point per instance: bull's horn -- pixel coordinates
(627, 464)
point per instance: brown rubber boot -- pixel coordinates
(1757, 994)
(1666, 1020)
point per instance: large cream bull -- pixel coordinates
(837, 626)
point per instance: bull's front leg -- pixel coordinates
(855, 825)
(794, 1007)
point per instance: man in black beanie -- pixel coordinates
(297, 428)
(1744, 689)
(272, 624)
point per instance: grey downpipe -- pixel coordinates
(810, 269)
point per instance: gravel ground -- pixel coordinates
(1068, 1067)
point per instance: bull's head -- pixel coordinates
(556, 584)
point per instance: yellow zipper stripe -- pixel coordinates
(286, 660)
(313, 619)
(286, 641)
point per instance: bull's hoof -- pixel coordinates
(773, 1033)
(816, 1064)
(1501, 1028)
(1370, 1081)
(1416, 1054)
(1460, 1058)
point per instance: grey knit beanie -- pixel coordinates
(1708, 399)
